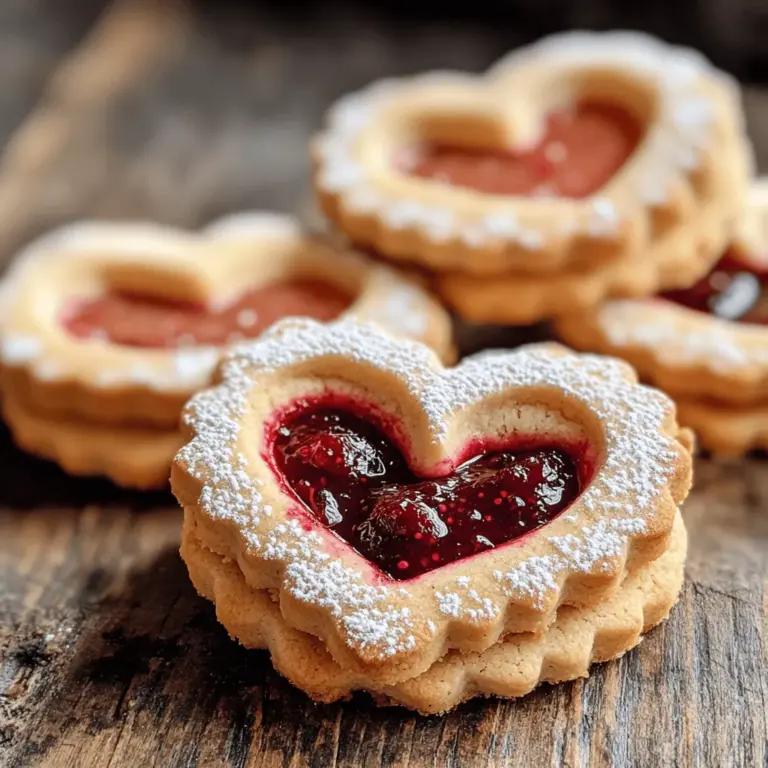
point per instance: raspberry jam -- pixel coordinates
(581, 150)
(357, 483)
(731, 291)
(136, 320)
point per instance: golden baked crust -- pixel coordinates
(238, 507)
(692, 116)
(577, 639)
(62, 376)
(725, 429)
(134, 457)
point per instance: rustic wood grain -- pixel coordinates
(107, 657)
(34, 35)
(56, 162)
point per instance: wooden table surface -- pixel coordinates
(108, 658)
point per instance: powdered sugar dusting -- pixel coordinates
(402, 309)
(468, 605)
(684, 126)
(639, 460)
(533, 578)
(677, 336)
(17, 348)
(315, 578)
(249, 225)
(195, 365)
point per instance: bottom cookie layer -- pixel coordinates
(726, 430)
(132, 457)
(513, 667)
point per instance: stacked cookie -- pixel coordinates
(378, 522)
(108, 329)
(584, 167)
(706, 345)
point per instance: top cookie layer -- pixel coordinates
(686, 110)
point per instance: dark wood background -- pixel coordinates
(107, 657)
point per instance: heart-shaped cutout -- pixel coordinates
(358, 484)
(735, 290)
(135, 319)
(579, 152)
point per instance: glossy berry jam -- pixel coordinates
(137, 320)
(581, 150)
(731, 291)
(359, 485)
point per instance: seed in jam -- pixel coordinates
(357, 483)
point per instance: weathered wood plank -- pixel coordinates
(53, 159)
(34, 35)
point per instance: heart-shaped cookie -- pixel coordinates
(577, 427)
(123, 322)
(579, 149)
(725, 429)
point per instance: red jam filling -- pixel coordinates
(137, 320)
(581, 150)
(733, 290)
(355, 482)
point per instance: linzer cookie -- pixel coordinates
(115, 326)
(707, 344)
(581, 150)
(513, 667)
(397, 510)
